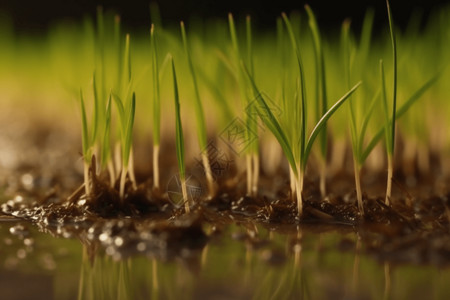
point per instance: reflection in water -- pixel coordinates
(155, 282)
(387, 281)
(236, 264)
(356, 265)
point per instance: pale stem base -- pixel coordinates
(112, 173)
(131, 170)
(357, 171)
(117, 157)
(299, 190)
(248, 160)
(209, 177)
(323, 179)
(185, 195)
(87, 182)
(292, 181)
(156, 166)
(387, 201)
(255, 160)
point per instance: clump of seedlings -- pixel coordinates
(242, 93)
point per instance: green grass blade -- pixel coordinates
(179, 141)
(129, 131)
(366, 35)
(400, 112)
(248, 31)
(302, 84)
(199, 114)
(251, 122)
(321, 90)
(315, 132)
(251, 125)
(271, 122)
(387, 123)
(117, 49)
(100, 55)
(84, 130)
(106, 151)
(394, 92)
(95, 115)
(233, 34)
(126, 67)
(346, 53)
(156, 89)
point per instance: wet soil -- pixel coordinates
(43, 189)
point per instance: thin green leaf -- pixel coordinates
(248, 31)
(321, 90)
(234, 40)
(199, 114)
(129, 131)
(117, 49)
(252, 124)
(126, 70)
(271, 122)
(387, 123)
(178, 127)
(346, 53)
(95, 114)
(106, 151)
(84, 130)
(156, 89)
(366, 34)
(394, 92)
(323, 121)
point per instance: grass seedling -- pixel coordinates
(106, 145)
(156, 108)
(251, 123)
(298, 148)
(297, 162)
(126, 116)
(86, 145)
(390, 126)
(199, 117)
(357, 128)
(252, 160)
(321, 95)
(179, 140)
